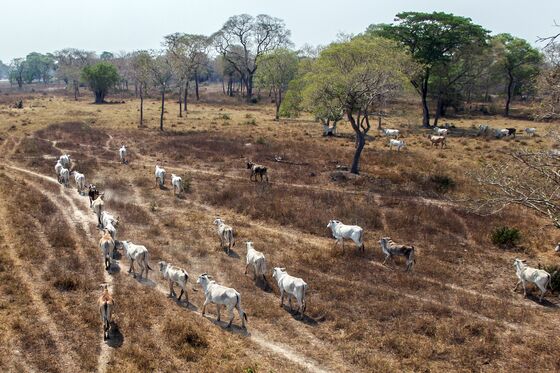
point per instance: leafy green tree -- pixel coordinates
(17, 71)
(519, 62)
(4, 70)
(356, 77)
(106, 56)
(432, 39)
(101, 77)
(277, 69)
(70, 63)
(39, 67)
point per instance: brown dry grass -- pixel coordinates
(455, 312)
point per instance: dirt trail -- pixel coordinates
(78, 216)
(105, 355)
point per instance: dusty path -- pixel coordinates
(105, 355)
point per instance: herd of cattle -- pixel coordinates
(228, 297)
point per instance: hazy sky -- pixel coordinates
(115, 25)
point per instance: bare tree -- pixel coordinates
(253, 37)
(70, 63)
(141, 74)
(162, 75)
(532, 180)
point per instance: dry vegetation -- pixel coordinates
(455, 312)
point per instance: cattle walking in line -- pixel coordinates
(256, 260)
(525, 274)
(64, 176)
(177, 184)
(106, 304)
(221, 295)
(65, 160)
(107, 246)
(399, 144)
(388, 132)
(97, 207)
(80, 180)
(293, 286)
(139, 254)
(391, 249)
(57, 167)
(257, 170)
(341, 231)
(225, 232)
(175, 275)
(93, 193)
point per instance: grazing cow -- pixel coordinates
(106, 304)
(64, 176)
(80, 180)
(221, 295)
(294, 286)
(524, 273)
(531, 131)
(175, 275)
(122, 154)
(440, 131)
(391, 132)
(160, 176)
(97, 207)
(341, 231)
(399, 144)
(482, 129)
(137, 253)
(225, 232)
(107, 246)
(177, 183)
(57, 167)
(438, 140)
(391, 249)
(257, 170)
(93, 193)
(64, 160)
(256, 260)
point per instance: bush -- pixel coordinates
(442, 183)
(506, 237)
(554, 271)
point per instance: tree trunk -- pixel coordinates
(162, 110)
(223, 87)
(141, 106)
(186, 94)
(76, 90)
(278, 100)
(99, 97)
(249, 86)
(360, 143)
(196, 86)
(425, 108)
(509, 94)
(180, 102)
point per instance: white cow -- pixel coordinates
(109, 227)
(177, 183)
(341, 231)
(107, 246)
(80, 180)
(57, 167)
(122, 153)
(524, 273)
(97, 207)
(160, 176)
(440, 131)
(294, 286)
(221, 295)
(391, 132)
(399, 144)
(557, 248)
(64, 176)
(225, 232)
(64, 160)
(175, 275)
(137, 253)
(531, 131)
(256, 260)
(107, 218)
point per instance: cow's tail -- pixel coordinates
(361, 238)
(238, 306)
(411, 257)
(550, 276)
(146, 261)
(303, 298)
(231, 238)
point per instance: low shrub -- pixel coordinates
(554, 271)
(442, 183)
(505, 237)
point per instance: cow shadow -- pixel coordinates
(234, 329)
(114, 268)
(263, 284)
(296, 315)
(232, 253)
(116, 338)
(545, 302)
(144, 281)
(163, 187)
(183, 303)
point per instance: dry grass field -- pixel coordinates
(455, 312)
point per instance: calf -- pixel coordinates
(391, 249)
(175, 275)
(341, 231)
(438, 140)
(106, 304)
(525, 274)
(160, 176)
(221, 295)
(294, 286)
(177, 183)
(225, 232)
(256, 260)
(397, 143)
(107, 246)
(257, 170)
(139, 254)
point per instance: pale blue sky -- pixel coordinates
(114, 25)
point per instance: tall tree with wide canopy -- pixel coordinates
(432, 39)
(100, 77)
(519, 62)
(70, 63)
(277, 69)
(357, 77)
(244, 39)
